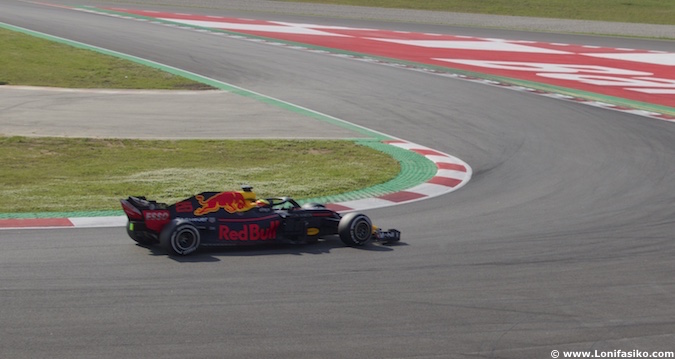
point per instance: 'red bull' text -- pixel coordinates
(250, 232)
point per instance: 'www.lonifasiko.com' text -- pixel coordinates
(611, 354)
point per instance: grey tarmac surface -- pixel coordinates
(26, 111)
(217, 114)
(562, 240)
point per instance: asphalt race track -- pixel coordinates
(563, 239)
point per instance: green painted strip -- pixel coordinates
(415, 168)
(61, 214)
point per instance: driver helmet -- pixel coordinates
(262, 203)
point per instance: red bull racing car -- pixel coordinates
(239, 218)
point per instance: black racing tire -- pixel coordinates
(180, 238)
(355, 229)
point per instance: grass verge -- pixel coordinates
(30, 61)
(636, 11)
(74, 174)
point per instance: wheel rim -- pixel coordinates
(185, 240)
(362, 231)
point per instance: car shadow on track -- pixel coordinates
(324, 246)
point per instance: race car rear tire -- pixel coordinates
(355, 229)
(180, 238)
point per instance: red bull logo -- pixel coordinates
(250, 232)
(231, 202)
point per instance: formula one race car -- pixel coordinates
(239, 218)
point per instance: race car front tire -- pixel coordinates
(180, 238)
(355, 229)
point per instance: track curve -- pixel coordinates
(563, 240)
